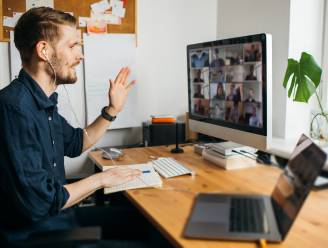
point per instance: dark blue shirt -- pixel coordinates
(34, 138)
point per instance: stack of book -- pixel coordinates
(230, 156)
(162, 119)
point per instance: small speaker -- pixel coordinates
(162, 133)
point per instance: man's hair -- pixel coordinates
(37, 24)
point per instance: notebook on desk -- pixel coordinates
(145, 180)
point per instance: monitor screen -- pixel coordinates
(227, 83)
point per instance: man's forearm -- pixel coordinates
(114, 176)
(96, 130)
(82, 189)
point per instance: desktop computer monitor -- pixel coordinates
(229, 89)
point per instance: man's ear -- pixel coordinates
(41, 50)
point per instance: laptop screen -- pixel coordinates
(295, 183)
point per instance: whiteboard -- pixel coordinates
(104, 56)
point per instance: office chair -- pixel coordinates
(59, 238)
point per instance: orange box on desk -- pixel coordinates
(163, 120)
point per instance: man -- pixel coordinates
(198, 93)
(200, 59)
(249, 103)
(250, 75)
(198, 78)
(252, 54)
(216, 60)
(35, 138)
(254, 120)
(234, 113)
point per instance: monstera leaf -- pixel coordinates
(305, 77)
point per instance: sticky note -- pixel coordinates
(112, 19)
(116, 4)
(8, 22)
(120, 12)
(96, 26)
(39, 3)
(101, 6)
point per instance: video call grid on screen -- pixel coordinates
(226, 83)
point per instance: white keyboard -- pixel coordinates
(169, 167)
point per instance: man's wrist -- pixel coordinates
(111, 111)
(108, 113)
(100, 180)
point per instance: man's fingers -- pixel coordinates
(125, 76)
(129, 178)
(124, 171)
(130, 85)
(122, 75)
(133, 172)
(111, 83)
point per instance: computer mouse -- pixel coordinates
(112, 153)
(115, 150)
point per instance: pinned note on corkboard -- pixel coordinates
(124, 17)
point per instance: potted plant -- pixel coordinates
(305, 78)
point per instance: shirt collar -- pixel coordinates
(40, 97)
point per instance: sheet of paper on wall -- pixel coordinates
(120, 12)
(116, 4)
(104, 56)
(107, 17)
(83, 21)
(96, 26)
(39, 3)
(16, 16)
(117, 8)
(113, 19)
(9, 21)
(100, 6)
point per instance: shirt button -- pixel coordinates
(49, 118)
(54, 164)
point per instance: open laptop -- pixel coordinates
(254, 217)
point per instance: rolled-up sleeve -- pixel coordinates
(73, 139)
(38, 193)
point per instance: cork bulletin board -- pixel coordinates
(77, 7)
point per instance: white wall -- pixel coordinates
(4, 64)
(237, 18)
(306, 34)
(164, 28)
(296, 26)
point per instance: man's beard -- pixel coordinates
(55, 69)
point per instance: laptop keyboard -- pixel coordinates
(247, 215)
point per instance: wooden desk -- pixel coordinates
(168, 208)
